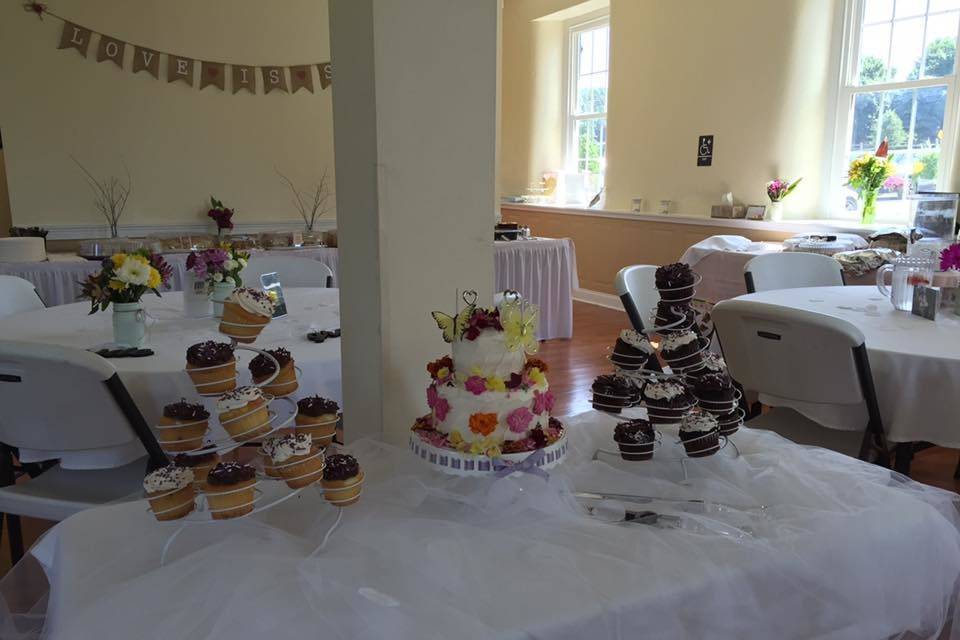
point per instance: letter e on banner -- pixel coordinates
(179, 68)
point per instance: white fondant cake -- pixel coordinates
(487, 355)
(22, 250)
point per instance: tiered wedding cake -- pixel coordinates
(490, 403)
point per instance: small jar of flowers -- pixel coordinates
(220, 268)
(777, 190)
(221, 215)
(121, 282)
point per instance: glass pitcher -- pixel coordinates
(907, 272)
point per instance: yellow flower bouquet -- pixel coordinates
(125, 277)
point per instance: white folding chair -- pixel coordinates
(638, 293)
(800, 357)
(293, 271)
(791, 270)
(61, 403)
(17, 295)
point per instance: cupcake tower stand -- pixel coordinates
(275, 489)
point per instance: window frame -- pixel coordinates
(848, 89)
(573, 29)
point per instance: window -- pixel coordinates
(899, 83)
(586, 122)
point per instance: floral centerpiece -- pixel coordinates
(122, 281)
(221, 215)
(220, 268)
(867, 175)
(950, 261)
(777, 190)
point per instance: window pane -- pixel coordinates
(943, 5)
(941, 49)
(906, 8)
(591, 145)
(877, 10)
(601, 47)
(907, 47)
(874, 48)
(586, 52)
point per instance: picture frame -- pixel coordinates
(756, 212)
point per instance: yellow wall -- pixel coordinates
(5, 221)
(755, 73)
(181, 144)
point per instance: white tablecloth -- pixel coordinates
(544, 271)
(58, 282)
(806, 544)
(157, 380)
(915, 362)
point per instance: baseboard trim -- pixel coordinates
(84, 231)
(598, 298)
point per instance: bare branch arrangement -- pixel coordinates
(311, 204)
(110, 195)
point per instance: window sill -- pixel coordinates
(795, 226)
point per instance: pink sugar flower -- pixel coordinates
(519, 420)
(476, 385)
(432, 396)
(441, 409)
(542, 402)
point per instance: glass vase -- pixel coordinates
(129, 324)
(221, 291)
(869, 213)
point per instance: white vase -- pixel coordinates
(196, 297)
(774, 212)
(129, 324)
(221, 291)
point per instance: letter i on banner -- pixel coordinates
(111, 49)
(243, 78)
(146, 60)
(75, 37)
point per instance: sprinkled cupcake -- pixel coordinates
(699, 433)
(212, 367)
(342, 480)
(245, 313)
(667, 399)
(170, 492)
(682, 350)
(632, 350)
(636, 439)
(261, 368)
(612, 393)
(318, 416)
(675, 281)
(243, 413)
(182, 426)
(230, 490)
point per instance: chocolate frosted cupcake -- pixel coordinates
(262, 368)
(676, 316)
(342, 480)
(636, 439)
(712, 363)
(714, 390)
(675, 281)
(682, 350)
(212, 367)
(612, 393)
(699, 433)
(632, 351)
(667, 400)
(318, 416)
(200, 462)
(182, 426)
(230, 490)
(729, 423)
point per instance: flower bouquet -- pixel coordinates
(867, 175)
(220, 268)
(777, 190)
(122, 281)
(221, 215)
(950, 261)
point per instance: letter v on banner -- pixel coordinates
(146, 60)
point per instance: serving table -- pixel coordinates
(774, 541)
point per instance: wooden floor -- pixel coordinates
(573, 366)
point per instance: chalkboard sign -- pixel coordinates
(705, 151)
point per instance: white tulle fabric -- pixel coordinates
(809, 545)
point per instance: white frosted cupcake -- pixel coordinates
(296, 458)
(699, 433)
(170, 491)
(245, 313)
(243, 413)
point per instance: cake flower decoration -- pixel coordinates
(519, 419)
(483, 423)
(519, 324)
(475, 385)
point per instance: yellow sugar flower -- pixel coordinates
(494, 452)
(443, 373)
(455, 438)
(536, 377)
(496, 384)
(117, 259)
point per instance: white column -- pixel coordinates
(415, 117)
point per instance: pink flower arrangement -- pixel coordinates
(519, 420)
(480, 320)
(950, 257)
(475, 385)
(542, 402)
(778, 189)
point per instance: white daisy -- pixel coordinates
(218, 277)
(134, 272)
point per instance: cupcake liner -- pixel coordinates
(267, 400)
(173, 509)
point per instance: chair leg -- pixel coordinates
(15, 535)
(903, 456)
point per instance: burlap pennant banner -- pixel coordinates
(75, 37)
(326, 74)
(244, 77)
(213, 74)
(274, 78)
(146, 60)
(182, 68)
(301, 77)
(111, 49)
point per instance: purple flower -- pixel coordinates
(475, 385)
(441, 409)
(542, 402)
(519, 420)
(950, 257)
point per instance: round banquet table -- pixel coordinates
(915, 362)
(160, 379)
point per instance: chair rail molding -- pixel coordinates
(84, 231)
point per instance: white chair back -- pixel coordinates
(18, 295)
(791, 270)
(638, 293)
(789, 353)
(292, 271)
(70, 404)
